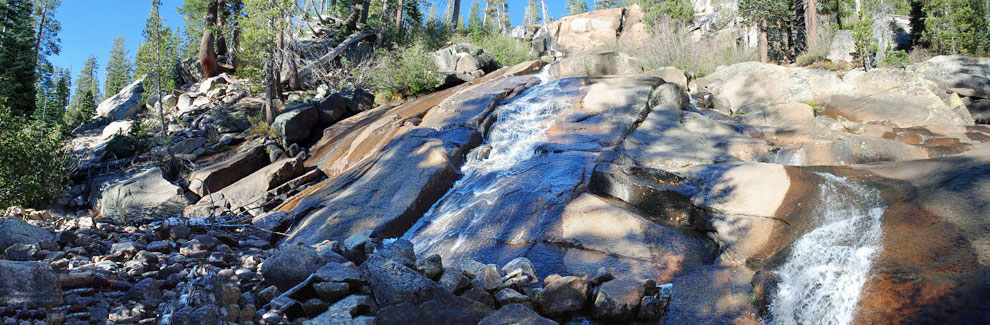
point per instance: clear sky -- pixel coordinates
(89, 26)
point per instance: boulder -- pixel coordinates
(295, 122)
(290, 265)
(338, 272)
(13, 230)
(346, 311)
(332, 109)
(464, 58)
(618, 299)
(969, 74)
(189, 71)
(562, 295)
(213, 178)
(394, 283)
(144, 194)
(900, 97)
(115, 128)
(672, 75)
(431, 266)
(28, 284)
(400, 251)
(780, 115)
(124, 104)
(515, 314)
(247, 194)
(842, 47)
(357, 99)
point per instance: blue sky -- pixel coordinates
(89, 26)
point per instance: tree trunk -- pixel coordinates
(398, 15)
(207, 53)
(455, 14)
(235, 40)
(764, 52)
(221, 22)
(288, 60)
(41, 29)
(811, 34)
(364, 11)
(546, 19)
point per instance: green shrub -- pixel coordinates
(897, 58)
(402, 72)
(507, 51)
(33, 164)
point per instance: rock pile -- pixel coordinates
(206, 271)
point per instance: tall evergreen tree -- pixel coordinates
(47, 42)
(605, 4)
(158, 40)
(955, 26)
(474, 17)
(85, 97)
(575, 7)
(119, 68)
(18, 58)
(532, 16)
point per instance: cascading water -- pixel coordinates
(465, 211)
(821, 281)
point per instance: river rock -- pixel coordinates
(515, 314)
(290, 265)
(393, 283)
(562, 295)
(295, 122)
(30, 284)
(400, 251)
(13, 230)
(618, 299)
(431, 266)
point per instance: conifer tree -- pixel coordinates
(575, 7)
(84, 99)
(157, 37)
(119, 68)
(532, 16)
(18, 58)
(474, 17)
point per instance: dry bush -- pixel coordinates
(817, 54)
(673, 45)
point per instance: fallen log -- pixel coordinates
(311, 68)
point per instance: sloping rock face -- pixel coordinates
(599, 30)
(385, 171)
(247, 194)
(144, 194)
(124, 104)
(935, 264)
(216, 176)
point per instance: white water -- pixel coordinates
(519, 129)
(821, 281)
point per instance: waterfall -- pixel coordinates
(510, 147)
(822, 279)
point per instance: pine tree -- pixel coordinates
(474, 17)
(47, 42)
(84, 99)
(866, 46)
(605, 4)
(119, 68)
(157, 38)
(955, 26)
(532, 16)
(192, 12)
(18, 58)
(575, 7)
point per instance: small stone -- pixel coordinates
(179, 232)
(480, 295)
(315, 306)
(562, 295)
(22, 252)
(266, 295)
(521, 271)
(147, 292)
(229, 294)
(247, 313)
(650, 309)
(508, 296)
(358, 246)
(431, 266)
(331, 291)
(453, 280)
(401, 251)
(489, 279)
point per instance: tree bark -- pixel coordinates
(811, 34)
(207, 53)
(398, 15)
(235, 40)
(221, 22)
(288, 60)
(41, 29)
(364, 11)
(764, 52)
(454, 17)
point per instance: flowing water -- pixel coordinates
(475, 208)
(821, 281)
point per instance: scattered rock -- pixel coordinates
(290, 265)
(515, 314)
(563, 295)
